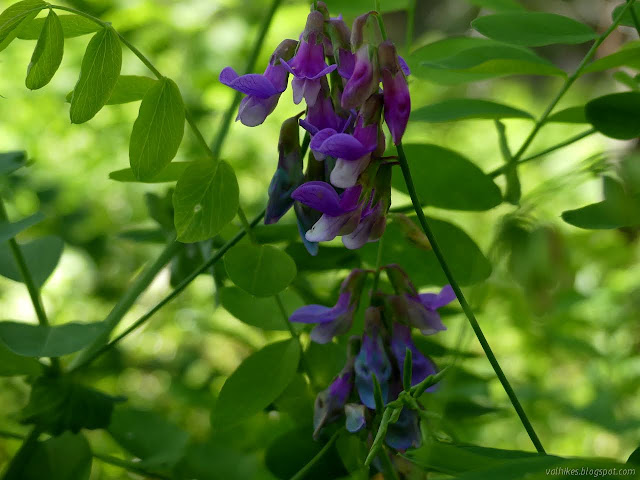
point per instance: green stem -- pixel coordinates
(246, 226)
(131, 295)
(304, 470)
(570, 81)
(376, 275)
(174, 293)
(463, 302)
(411, 19)
(388, 469)
(22, 457)
(251, 63)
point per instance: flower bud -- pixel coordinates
(397, 101)
(365, 79)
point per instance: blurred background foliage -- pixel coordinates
(561, 307)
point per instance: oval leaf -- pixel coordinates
(446, 179)
(627, 18)
(12, 364)
(42, 256)
(158, 130)
(533, 29)
(261, 270)
(626, 56)
(569, 115)
(48, 341)
(99, 73)
(257, 382)
(256, 311)
(47, 55)
(465, 108)
(9, 230)
(45, 459)
(170, 173)
(14, 18)
(616, 115)
(129, 88)
(72, 26)
(205, 200)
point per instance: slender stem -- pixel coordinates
(570, 81)
(247, 227)
(140, 284)
(411, 20)
(376, 275)
(251, 63)
(463, 302)
(304, 470)
(388, 469)
(22, 457)
(500, 170)
(174, 293)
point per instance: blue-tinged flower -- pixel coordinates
(341, 213)
(308, 65)
(421, 366)
(336, 320)
(288, 174)
(372, 359)
(397, 101)
(405, 433)
(306, 218)
(355, 414)
(330, 402)
(263, 91)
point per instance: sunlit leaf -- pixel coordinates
(72, 26)
(158, 130)
(47, 55)
(9, 230)
(259, 312)
(205, 200)
(533, 29)
(616, 115)
(257, 382)
(465, 108)
(446, 179)
(99, 73)
(12, 161)
(170, 173)
(41, 255)
(45, 461)
(261, 270)
(48, 341)
(569, 115)
(14, 18)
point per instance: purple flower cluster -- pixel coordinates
(379, 352)
(346, 187)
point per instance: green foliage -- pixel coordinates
(12, 161)
(129, 88)
(12, 364)
(261, 270)
(569, 115)
(446, 179)
(615, 115)
(41, 255)
(625, 57)
(48, 341)
(257, 382)
(67, 457)
(9, 230)
(57, 405)
(261, 312)
(205, 200)
(454, 109)
(48, 54)
(72, 26)
(158, 130)
(499, 5)
(14, 18)
(627, 17)
(170, 173)
(533, 29)
(99, 74)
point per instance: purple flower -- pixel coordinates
(405, 433)
(322, 116)
(422, 366)
(335, 320)
(373, 222)
(355, 414)
(372, 360)
(341, 213)
(346, 63)
(397, 102)
(331, 401)
(364, 80)
(306, 218)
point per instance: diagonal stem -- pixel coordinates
(463, 303)
(304, 470)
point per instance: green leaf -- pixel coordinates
(14, 18)
(499, 5)
(619, 209)
(533, 29)
(9, 230)
(357, 7)
(170, 173)
(616, 115)
(48, 341)
(57, 405)
(12, 161)
(45, 461)
(625, 57)
(330, 258)
(129, 88)
(569, 115)
(12, 364)
(446, 179)
(259, 312)
(158, 130)
(257, 382)
(627, 19)
(72, 26)
(634, 458)
(148, 436)
(626, 79)
(217, 461)
(261, 270)
(406, 245)
(465, 108)
(47, 55)
(205, 200)
(42, 256)
(99, 73)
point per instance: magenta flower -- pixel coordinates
(397, 102)
(364, 80)
(341, 213)
(330, 402)
(422, 366)
(322, 116)
(372, 360)
(373, 222)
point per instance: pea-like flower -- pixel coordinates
(397, 102)
(330, 403)
(421, 366)
(372, 360)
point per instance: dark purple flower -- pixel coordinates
(335, 320)
(322, 116)
(331, 401)
(355, 414)
(364, 80)
(397, 102)
(405, 433)
(346, 63)
(372, 359)
(341, 213)
(422, 366)
(373, 222)
(288, 174)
